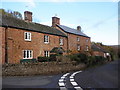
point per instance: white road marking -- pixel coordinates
(61, 80)
(61, 84)
(78, 88)
(62, 77)
(74, 83)
(71, 77)
(63, 88)
(71, 80)
(66, 74)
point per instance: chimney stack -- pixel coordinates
(79, 28)
(28, 16)
(55, 21)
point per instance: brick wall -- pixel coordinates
(16, 44)
(97, 53)
(72, 40)
(2, 45)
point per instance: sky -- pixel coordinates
(99, 20)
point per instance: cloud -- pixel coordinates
(113, 18)
(30, 3)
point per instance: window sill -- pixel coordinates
(27, 58)
(46, 42)
(61, 44)
(27, 40)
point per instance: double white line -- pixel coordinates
(62, 81)
(72, 80)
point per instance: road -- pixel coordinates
(105, 76)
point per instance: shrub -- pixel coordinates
(53, 57)
(74, 57)
(93, 60)
(28, 60)
(83, 57)
(43, 59)
(79, 58)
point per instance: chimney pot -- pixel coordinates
(79, 28)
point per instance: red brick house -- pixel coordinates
(99, 51)
(77, 41)
(24, 39)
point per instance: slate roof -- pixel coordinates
(71, 30)
(95, 47)
(7, 21)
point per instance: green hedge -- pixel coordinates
(28, 60)
(79, 58)
(43, 59)
(93, 60)
(89, 60)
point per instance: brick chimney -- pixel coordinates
(28, 16)
(79, 28)
(55, 21)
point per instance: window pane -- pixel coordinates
(25, 35)
(28, 35)
(45, 53)
(78, 47)
(46, 38)
(78, 39)
(27, 54)
(30, 54)
(24, 54)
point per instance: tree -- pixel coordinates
(15, 14)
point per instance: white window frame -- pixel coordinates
(28, 35)
(27, 52)
(78, 39)
(61, 41)
(87, 40)
(87, 48)
(46, 39)
(78, 47)
(46, 53)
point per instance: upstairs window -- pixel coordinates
(27, 54)
(87, 40)
(27, 36)
(78, 39)
(61, 41)
(87, 48)
(78, 47)
(46, 39)
(46, 53)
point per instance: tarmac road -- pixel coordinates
(105, 76)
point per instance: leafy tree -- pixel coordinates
(15, 14)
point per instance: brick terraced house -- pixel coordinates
(24, 39)
(97, 50)
(76, 39)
